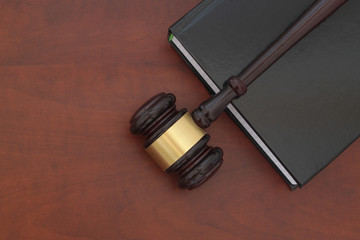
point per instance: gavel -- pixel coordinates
(176, 140)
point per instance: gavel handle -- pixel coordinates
(210, 110)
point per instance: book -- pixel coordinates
(304, 110)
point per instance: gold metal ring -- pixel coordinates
(175, 142)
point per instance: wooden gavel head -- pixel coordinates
(176, 139)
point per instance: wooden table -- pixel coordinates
(72, 74)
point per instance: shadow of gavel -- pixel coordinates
(176, 139)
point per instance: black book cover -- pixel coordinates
(304, 110)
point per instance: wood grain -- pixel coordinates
(72, 74)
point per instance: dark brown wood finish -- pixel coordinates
(72, 75)
(154, 118)
(210, 110)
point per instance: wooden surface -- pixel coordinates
(71, 75)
